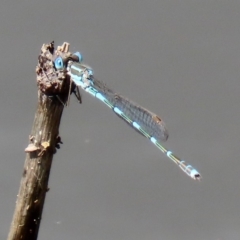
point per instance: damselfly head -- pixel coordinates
(61, 62)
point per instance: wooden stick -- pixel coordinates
(52, 95)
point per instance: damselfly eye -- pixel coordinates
(79, 55)
(58, 63)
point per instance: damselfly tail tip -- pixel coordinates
(194, 174)
(197, 177)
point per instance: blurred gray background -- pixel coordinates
(181, 60)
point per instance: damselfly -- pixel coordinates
(145, 122)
